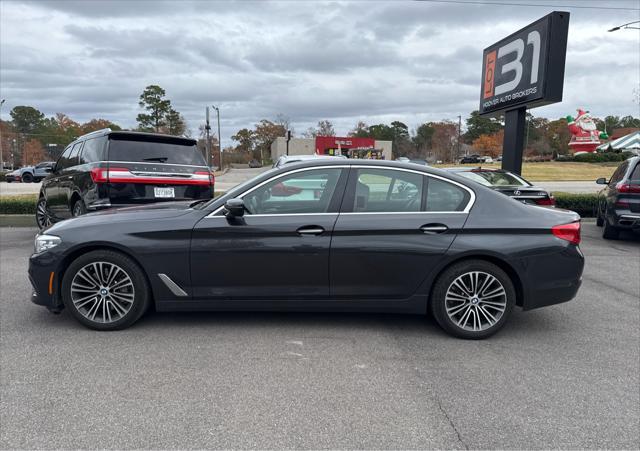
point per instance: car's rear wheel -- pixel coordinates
(105, 290)
(610, 232)
(43, 217)
(78, 208)
(473, 299)
(27, 177)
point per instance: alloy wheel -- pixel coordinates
(102, 292)
(475, 301)
(42, 215)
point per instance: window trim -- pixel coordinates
(467, 208)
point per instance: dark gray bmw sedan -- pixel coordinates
(344, 235)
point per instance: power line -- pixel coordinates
(537, 5)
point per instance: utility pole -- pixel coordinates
(207, 144)
(219, 137)
(1, 160)
(459, 133)
(288, 138)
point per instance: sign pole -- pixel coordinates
(513, 144)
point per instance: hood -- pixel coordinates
(149, 212)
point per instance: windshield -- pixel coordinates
(154, 152)
(491, 178)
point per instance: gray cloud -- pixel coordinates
(376, 61)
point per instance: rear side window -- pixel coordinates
(445, 196)
(619, 174)
(92, 151)
(387, 190)
(635, 174)
(154, 152)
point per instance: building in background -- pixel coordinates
(333, 145)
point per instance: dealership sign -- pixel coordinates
(526, 69)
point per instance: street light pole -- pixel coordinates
(207, 144)
(219, 137)
(1, 160)
(459, 133)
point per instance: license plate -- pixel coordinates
(164, 192)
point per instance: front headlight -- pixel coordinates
(46, 242)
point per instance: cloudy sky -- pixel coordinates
(372, 61)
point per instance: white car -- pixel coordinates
(286, 159)
(487, 159)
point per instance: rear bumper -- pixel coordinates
(553, 278)
(629, 221)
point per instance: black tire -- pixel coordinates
(78, 208)
(27, 177)
(438, 301)
(43, 216)
(140, 291)
(610, 232)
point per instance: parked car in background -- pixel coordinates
(288, 159)
(619, 201)
(109, 168)
(508, 183)
(255, 164)
(403, 159)
(13, 176)
(336, 235)
(486, 159)
(419, 161)
(470, 159)
(36, 173)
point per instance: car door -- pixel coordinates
(279, 249)
(66, 182)
(50, 186)
(394, 227)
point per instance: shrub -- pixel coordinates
(18, 205)
(583, 204)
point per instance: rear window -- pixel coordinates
(489, 178)
(155, 152)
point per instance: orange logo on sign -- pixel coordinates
(489, 69)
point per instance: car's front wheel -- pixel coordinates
(105, 290)
(472, 299)
(43, 216)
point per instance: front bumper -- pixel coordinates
(45, 280)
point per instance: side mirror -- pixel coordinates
(234, 208)
(601, 181)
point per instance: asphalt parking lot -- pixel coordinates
(566, 376)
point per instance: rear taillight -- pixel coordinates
(622, 204)
(568, 232)
(627, 188)
(546, 201)
(102, 175)
(207, 174)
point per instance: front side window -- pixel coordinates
(300, 192)
(63, 161)
(387, 190)
(445, 196)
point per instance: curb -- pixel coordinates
(17, 221)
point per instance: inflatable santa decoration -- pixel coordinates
(585, 136)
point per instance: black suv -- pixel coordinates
(619, 201)
(119, 168)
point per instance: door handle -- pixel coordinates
(310, 230)
(433, 229)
